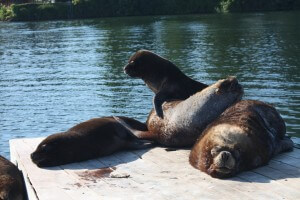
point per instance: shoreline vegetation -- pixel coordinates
(80, 9)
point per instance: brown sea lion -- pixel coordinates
(11, 181)
(185, 120)
(88, 140)
(162, 77)
(244, 137)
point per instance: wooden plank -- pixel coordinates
(273, 187)
(159, 174)
(68, 172)
(56, 178)
(156, 160)
(296, 141)
(280, 177)
(248, 188)
(31, 195)
(284, 168)
(295, 153)
(288, 160)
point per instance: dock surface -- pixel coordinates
(153, 174)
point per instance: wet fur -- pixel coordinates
(185, 120)
(87, 140)
(252, 128)
(162, 77)
(11, 181)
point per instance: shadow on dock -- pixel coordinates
(284, 167)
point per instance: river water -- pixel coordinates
(59, 73)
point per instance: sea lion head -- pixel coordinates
(55, 150)
(224, 162)
(229, 84)
(5, 186)
(221, 151)
(228, 91)
(145, 63)
(10, 188)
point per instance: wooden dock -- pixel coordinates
(153, 174)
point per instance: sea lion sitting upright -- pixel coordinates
(87, 140)
(11, 181)
(162, 77)
(244, 137)
(185, 120)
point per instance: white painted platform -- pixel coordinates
(153, 174)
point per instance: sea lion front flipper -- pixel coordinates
(158, 100)
(137, 133)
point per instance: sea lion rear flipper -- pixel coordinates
(284, 145)
(137, 133)
(139, 144)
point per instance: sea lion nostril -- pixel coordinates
(33, 156)
(225, 155)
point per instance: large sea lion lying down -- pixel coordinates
(87, 140)
(244, 137)
(162, 77)
(185, 120)
(11, 181)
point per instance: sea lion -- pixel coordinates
(162, 77)
(244, 137)
(185, 120)
(11, 181)
(88, 140)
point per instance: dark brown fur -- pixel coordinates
(162, 77)
(260, 135)
(11, 181)
(87, 140)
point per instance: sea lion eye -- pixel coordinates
(237, 153)
(215, 151)
(131, 63)
(45, 147)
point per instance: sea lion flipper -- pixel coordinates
(158, 100)
(284, 145)
(137, 133)
(139, 144)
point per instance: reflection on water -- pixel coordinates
(56, 74)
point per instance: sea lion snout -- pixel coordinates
(38, 158)
(34, 156)
(224, 159)
(131, 69)
(230, 84)
(223, 164)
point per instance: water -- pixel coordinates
(56, 74)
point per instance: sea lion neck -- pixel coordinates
(158, 73)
